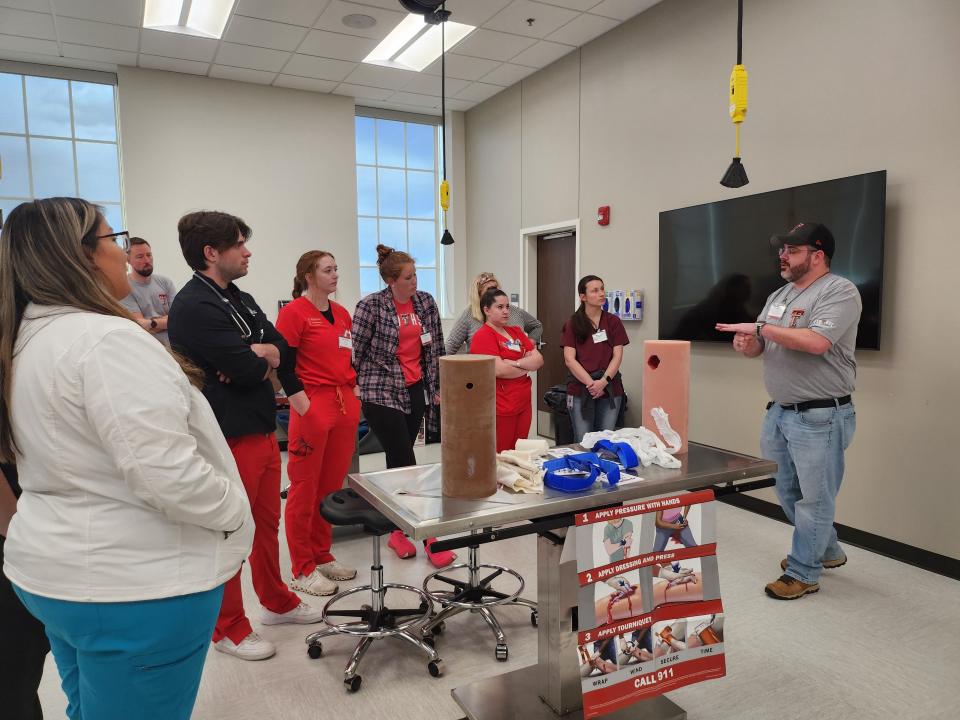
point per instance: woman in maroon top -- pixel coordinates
(593, 341)
(516, 357)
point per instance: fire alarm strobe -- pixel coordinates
(603, 215)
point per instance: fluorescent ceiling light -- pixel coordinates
(203, 18)
(414, 44)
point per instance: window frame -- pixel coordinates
(440, 266)
(71, 75)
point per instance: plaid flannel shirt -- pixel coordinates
(376, 338)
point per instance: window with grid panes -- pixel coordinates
(59, 138)
(397, 203)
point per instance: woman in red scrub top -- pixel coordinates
(516, 358)
(323, 421)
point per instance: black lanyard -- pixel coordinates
(246, 332)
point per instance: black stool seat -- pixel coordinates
(346, 507)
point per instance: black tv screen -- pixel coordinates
(717, 265)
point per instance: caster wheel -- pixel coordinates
(429, 640)
(353, 684)
(314, 651)
(501, 652)
(438, 628)
(533, 618)
(435, 668)
(423, 607)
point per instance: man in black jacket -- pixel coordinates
(224, 332)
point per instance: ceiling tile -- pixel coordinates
(87, 32)
(263, 33)
(461, 105)
(430, 85)
(415, 99)
(547, 18)
(364, 93)
(154, 62)
(581, 5)
(508, 74)
(542, 54)
(293, 12)
(254, 58)
(337, 45)
(316, 67)
(381, 77)
(242, 74)
(583, 29)
(622, 9)
(118, 12)
(30, 45)
(27, 24)
(493, 45)
(332, 19)
(471, 12)
(85, 52)
(301, 83)
(53, 59)
(35, 5)
(464, 67)
(478, 92)
(177, 45)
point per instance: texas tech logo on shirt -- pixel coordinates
(406, 319)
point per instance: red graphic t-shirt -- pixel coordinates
(513, 394)
(324, 351)
(411, 347)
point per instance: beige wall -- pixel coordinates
(837, 87)
(283, 160)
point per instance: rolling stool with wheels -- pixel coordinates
(474, 594)
(375, 620)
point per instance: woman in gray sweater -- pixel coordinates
(472, 319)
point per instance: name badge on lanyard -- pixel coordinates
(776, 311)
(425, 339)
(600, 336)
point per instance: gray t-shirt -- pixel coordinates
(151, 299)
(614, 535)
(830, 307)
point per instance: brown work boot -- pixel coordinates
(827, 564)
(789, 588)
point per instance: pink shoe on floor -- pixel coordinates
(439, 559)
(401, 545)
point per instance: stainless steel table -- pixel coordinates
(551, 688)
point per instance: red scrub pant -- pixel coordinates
(319, 447)
(258, 459)
(511, 428)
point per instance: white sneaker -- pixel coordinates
(336, 571)
(314, 584)
(302, 614)
(252, 647)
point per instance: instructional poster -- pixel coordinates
(651, 618)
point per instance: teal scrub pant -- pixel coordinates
(129, 659)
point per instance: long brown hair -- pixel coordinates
(579, 322)
(46, 257)
(307, 265)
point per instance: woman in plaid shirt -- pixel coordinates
(397, 344)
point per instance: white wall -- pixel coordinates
(283, 160)
(837, 87)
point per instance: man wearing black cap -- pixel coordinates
(806, 333)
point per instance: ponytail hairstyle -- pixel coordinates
(489, 298)
(579, 322)
(307, 265)
(474, 296)
(391, 262)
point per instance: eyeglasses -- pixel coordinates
(122, 239)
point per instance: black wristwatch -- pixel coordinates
(153, 323)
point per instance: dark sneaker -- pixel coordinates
(827, 564)
(789, 588)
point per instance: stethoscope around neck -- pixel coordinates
(245, 330)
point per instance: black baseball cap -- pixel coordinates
(816, 235)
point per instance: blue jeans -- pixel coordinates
(664, 535)
(129, 659)
(597, 415)
(808, 448)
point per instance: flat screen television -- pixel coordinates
(717, 265)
